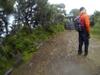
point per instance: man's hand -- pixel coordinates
(88, 35)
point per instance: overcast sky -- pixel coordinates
(90, 5)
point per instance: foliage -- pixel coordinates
(74, 12)
(25, 43)
(96, 28)
(35, 21)
(7, 5)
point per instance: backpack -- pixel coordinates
(78, 24)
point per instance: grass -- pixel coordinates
(96, 31)
(26, 43)
(39, 35)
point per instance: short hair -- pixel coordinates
(82, 8)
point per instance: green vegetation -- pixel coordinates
(96, 29)
(25, 43)
(34, 22)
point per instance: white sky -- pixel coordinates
(90, 5)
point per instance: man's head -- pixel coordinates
(82, 10)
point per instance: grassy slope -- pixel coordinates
(27, 43)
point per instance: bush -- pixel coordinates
(26, 43)
(56, 28)
(96, 30)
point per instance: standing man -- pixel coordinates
(84, 34)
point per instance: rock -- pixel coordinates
(9, 71)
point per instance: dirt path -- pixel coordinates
(58, 56)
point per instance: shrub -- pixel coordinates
(24, 42)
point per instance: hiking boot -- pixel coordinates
(79, 52)
(86, 53)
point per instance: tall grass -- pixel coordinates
(26, 43)
(96, 30)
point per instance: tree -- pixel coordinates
(24, 13)
(97, 16)
(7, 5)
(50, 14)
(74, 12)
(3, 23)
(32, 13)
(6, 8)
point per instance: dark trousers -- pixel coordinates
(83, 40)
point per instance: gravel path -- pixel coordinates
(58, 56)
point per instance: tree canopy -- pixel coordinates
(34, 21)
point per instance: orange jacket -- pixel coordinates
(86, 21)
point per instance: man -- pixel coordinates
(84, 35)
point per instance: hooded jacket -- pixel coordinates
(86, 21)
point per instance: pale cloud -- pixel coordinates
(90, 5)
